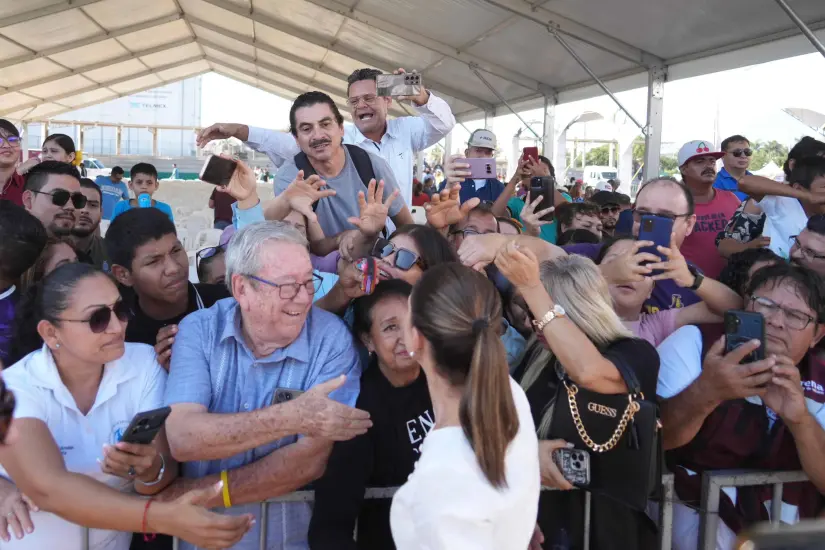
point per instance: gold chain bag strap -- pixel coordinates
(629, 412)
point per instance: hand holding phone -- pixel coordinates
(544, 187)
(482, 169)
(530, 154)
(574, 464)
(742, 327)
(398, 85)
(218, 170)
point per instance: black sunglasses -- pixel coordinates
(60, 197)
(404, 259)
(610, 209)
(6, 410)
(99, 320)
(739, 152)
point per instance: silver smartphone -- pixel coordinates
(282, 395)
(395, 85)
(574, 465)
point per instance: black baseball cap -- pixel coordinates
(603, 198)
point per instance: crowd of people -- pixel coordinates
(333, 344)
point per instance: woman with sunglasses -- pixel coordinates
(74, 398)
(56, 147)
(577, 333)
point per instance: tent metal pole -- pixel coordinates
(483, 80)
(653, 132)
(802, 26)
(593, 75)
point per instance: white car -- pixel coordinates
(95, 168)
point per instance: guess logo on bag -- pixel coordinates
(601, 409)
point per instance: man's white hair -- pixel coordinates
(243, 255)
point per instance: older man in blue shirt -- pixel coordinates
(249, 383)
(737, 158)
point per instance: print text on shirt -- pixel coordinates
(418, 428)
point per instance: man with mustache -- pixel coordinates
(88, 242)
(52, 194)
(714, 207)
(394, 140)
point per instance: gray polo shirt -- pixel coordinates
(333, 211)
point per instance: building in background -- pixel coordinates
(177, 104)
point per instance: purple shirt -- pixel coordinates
(8, 304)
(666, 294)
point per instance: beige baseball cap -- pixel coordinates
(482, 138)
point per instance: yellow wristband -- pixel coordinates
(227, 502)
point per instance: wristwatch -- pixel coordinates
(697, 277)
(160, 473)
(557, 311)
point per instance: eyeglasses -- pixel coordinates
(807, 252)
(369, 99)
(739, 152)
(610, 210)
(795, 319)
(60, 197)
(404, 259)
(637, 215)
(13, 141)
(208, 252)
(288, 291)
(99, 320)
(469, 232)
(6, 410)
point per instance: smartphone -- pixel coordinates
(282, 395)
(574, 465)
(145, 426)
(144, 200)
(657, 229)
(218, 170)
(544, 187)
(530, 153)
(396, 85)
(742, 327)
(481, 169)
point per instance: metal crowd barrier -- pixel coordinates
(665, 513)
(714, 481)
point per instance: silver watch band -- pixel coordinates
(160, 474)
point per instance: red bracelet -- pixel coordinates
(147, 537)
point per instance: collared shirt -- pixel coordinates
(402, 138)
(12, 190)
(131, 384)
(97, 254)
(727, 182)
(212, 366)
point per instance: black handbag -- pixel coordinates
(621, 434)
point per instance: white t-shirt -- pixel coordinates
(784, 218)
(132, 384)
(448, 504)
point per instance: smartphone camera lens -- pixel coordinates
(489, 169)
(648, 225)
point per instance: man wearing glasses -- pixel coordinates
(737, 158)
(251, 373)
(11, 183)
(609, 209)
(808, 248)
(395, 140)
(52, 194)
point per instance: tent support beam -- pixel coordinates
(483, 80)
(548, 126)
(655, 110)
(593, 75)
(802, 26)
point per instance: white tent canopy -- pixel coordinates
(483, 56)
(772, 171)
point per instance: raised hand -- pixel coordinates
(373, 209)
(531, 219)
(421, 99)
(303, 193)
(222, 130)
(675, 267)
(727, 379)
(243, 186)
(478, 251)
(326, 418)
(631, 267)
(784, 393)
(444, 209)
(456, 170)
(519, 266)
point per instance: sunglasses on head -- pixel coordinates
(739, 152)
(60, 197)
(404, 259)
(99, 319)
(208, 252)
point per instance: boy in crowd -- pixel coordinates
(144, 181)
(113, 189)
(148, 258)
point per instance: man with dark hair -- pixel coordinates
(52, 194)
(480, 221)
(148, 258)
(113, 189)
(85, 232)
(728, 410)
(22, 239)
(317, 126)
(578, 215)
(808, 248)
(609, 209)
(395, 140)
(737, 158)
(714, 207)
(11, 183)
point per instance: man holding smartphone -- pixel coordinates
(485, 185)
(394, 140)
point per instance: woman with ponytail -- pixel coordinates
(476, 484)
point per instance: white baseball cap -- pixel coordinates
(693, 149)
(482, 138)
(604, 186)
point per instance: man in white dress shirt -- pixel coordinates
(396, 140)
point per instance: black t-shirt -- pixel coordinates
(144, 330)
(383, 457)
(561, 514)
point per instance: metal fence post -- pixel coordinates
(666, 513)
(709, 513)
(588, 502)
(776, 504)
(264, 524)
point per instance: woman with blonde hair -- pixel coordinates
(577, 335)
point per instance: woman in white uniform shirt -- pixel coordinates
(476, 485)
(74, 397)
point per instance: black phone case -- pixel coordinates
(282, 395)
(546, 187)
(145, 426)
(742, 327)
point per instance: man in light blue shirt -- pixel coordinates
(737, 158)
(249, 383)
(113, 190)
